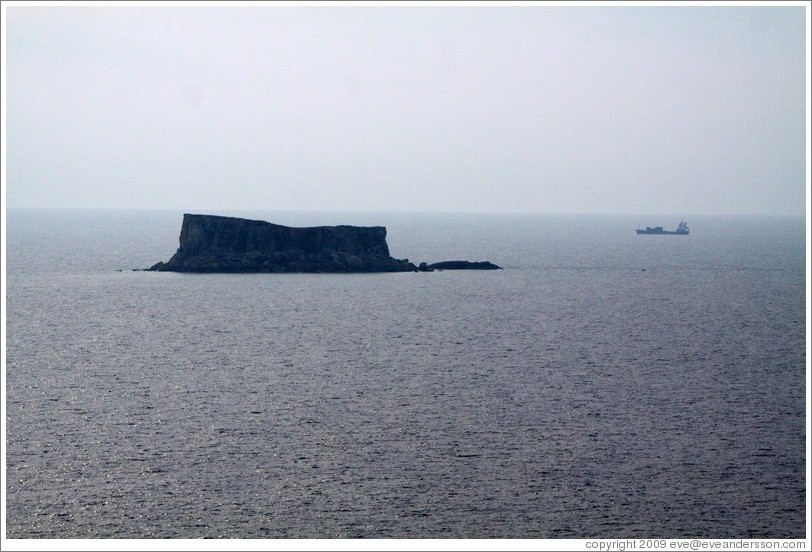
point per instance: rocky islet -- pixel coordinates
(212, 243)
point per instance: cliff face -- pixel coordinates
(211, 243)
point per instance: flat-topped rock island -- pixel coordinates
(212, 243)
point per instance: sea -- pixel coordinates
(603, 384)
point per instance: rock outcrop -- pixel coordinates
(457, 265)
(210, 243)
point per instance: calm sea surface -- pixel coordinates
(603, 384)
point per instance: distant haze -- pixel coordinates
(528, 108)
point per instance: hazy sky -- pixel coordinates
(577, 109)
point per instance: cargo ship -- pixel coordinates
(682, 230)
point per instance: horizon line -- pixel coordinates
(406, 212)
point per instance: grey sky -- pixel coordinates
(431, 108)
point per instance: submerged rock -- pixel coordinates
(210, 243)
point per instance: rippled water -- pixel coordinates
(603, 385)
